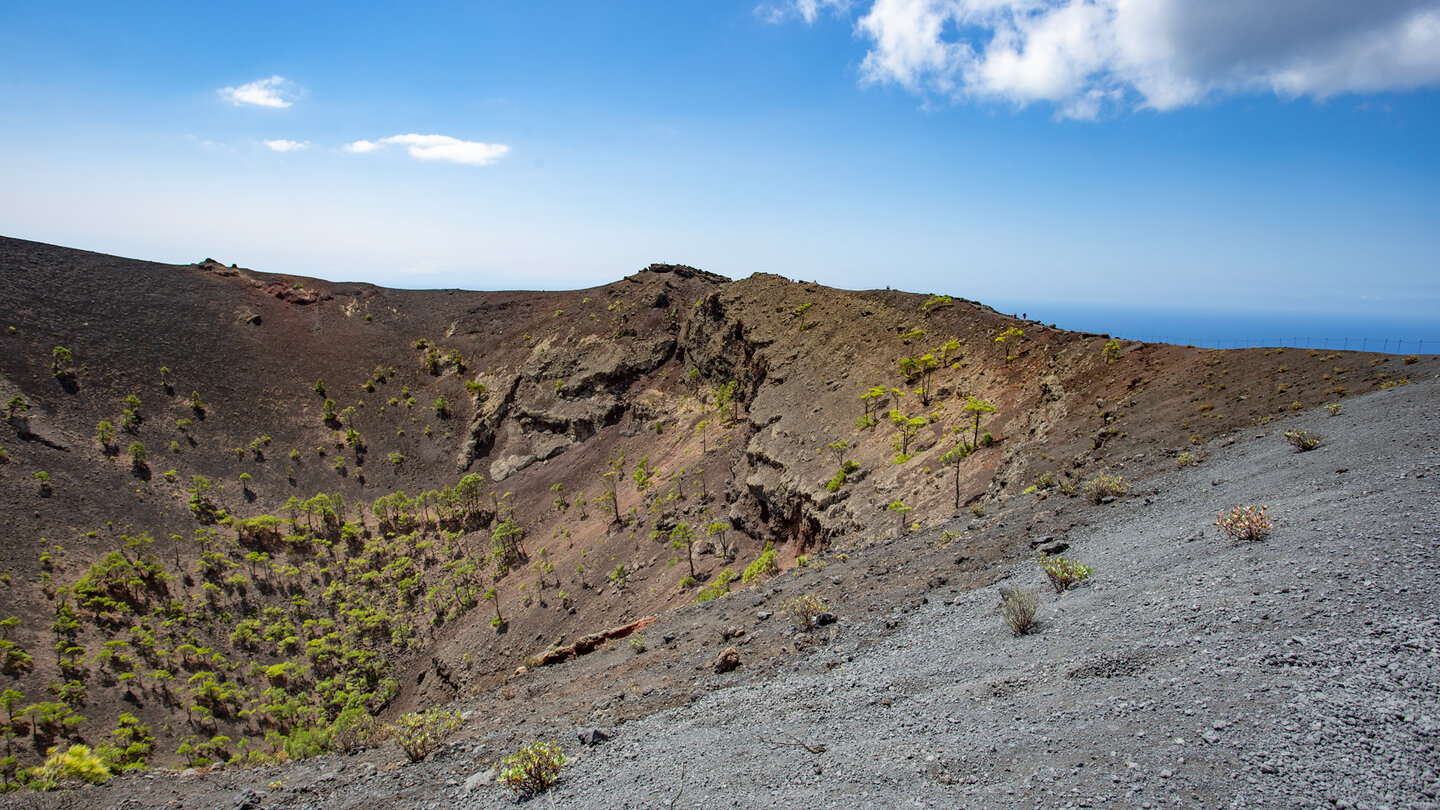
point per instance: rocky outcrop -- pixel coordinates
(492, 406)
(587, 643)
(563, 394)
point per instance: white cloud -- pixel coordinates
(272, 92)
(436, 147)
(807, 10)
(1085, 56)
(282, 145)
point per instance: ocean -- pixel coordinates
(1243, 329)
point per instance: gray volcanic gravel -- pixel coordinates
(1192, 671)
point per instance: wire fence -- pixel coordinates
(1383, 345)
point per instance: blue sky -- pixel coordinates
(1189, 154)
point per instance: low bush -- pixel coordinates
(1245, 523)
(840, 477)
(1301, 440)
(803, 611)
(533, 769)
(419, 733)
(764, 566)
(719, 587)
(356, 730)
(1018, 608)
(76, 764)
(1064, 574)
(1103, 486)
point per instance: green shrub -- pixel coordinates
(803, 611)
(419, 733)
(105, 435)
(1103, 486)
(78, 763)
(533, 769)
(1063, 573)
(718, 588)
(1245, 523)
(1111, 352)
(764, 566)
(1301, 440)
(840, 477)
(356, 730)
(304, 743)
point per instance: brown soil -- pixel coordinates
(572, 379)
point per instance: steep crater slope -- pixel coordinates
(353, 499)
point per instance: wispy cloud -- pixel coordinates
(1089, 56)
(807, 10)
(436, 147)
(276, 91)
(282, 145)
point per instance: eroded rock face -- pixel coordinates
(562, 394)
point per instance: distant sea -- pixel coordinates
(1238, 330)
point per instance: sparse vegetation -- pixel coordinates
(1301, 440)
(718, 587)
(906, 429)
(419, 733)
(803, 611)
(61, 363)
(1111, 352)
(977, 408)
(898, 508)
(954, 456)
(1018, 609)
(935, 303)
(272, 618)
(838, 480)
(533, 769)
(1105, 485)
(1064, 574)
(1013, 333)
(1245, 523)
(76, 764)
(105, 436)
(763, 566)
